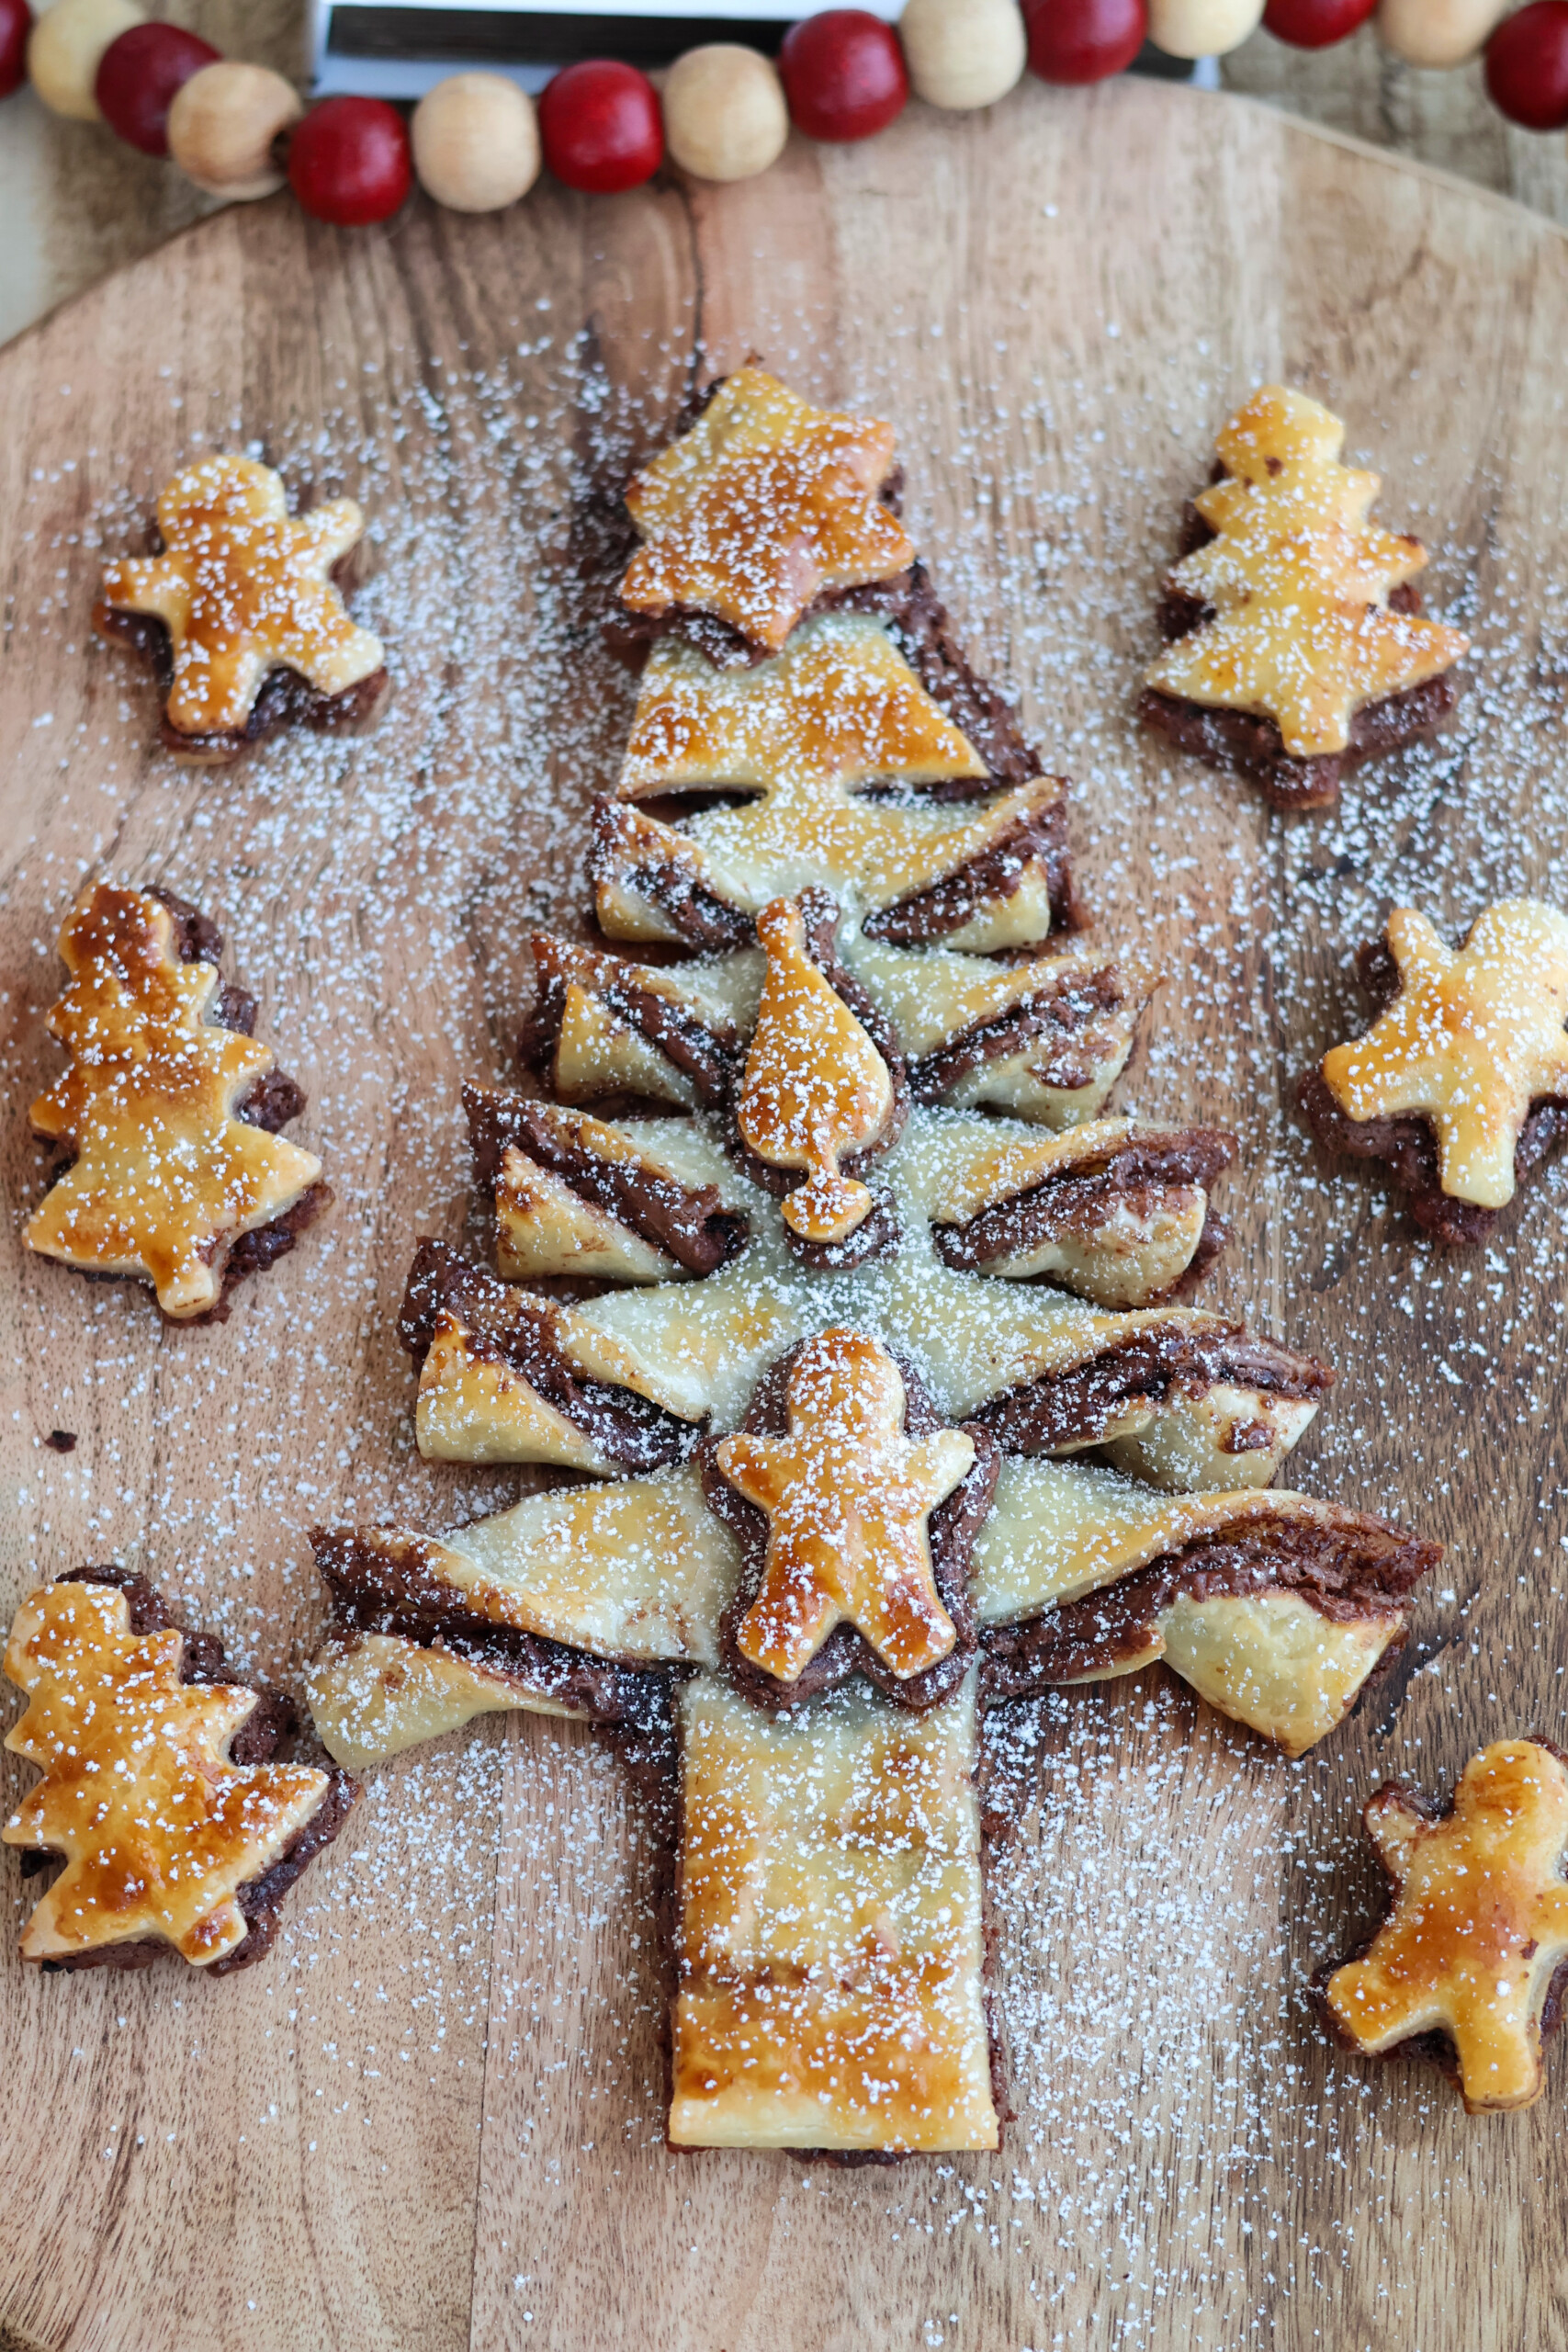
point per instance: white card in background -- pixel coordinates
(398, 48)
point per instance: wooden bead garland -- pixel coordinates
(1440, 33)
(223, 125)
(475, 139)
(476, 144)
(1203, 28)
(962, 53)
(725, 116)
(65, 50)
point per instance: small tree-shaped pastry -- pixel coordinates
(1298, 647)
(161, 1832)
(168, 1173)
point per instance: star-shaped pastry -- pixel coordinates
(1296, 583)
(847, 1498)
(816, 1090)
(1479, 1924)
(158, 1828)
(166, 1176)
(241, 590)
(1473, 1036)
(762, 505)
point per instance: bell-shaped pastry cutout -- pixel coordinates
(815, 1089)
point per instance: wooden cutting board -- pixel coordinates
(431, 2118)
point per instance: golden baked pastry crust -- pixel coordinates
(798, 1413)
(159, 1829)
(847, 1497)
(830, 1989)
(765, 503)
(1294, 585)
(1478, 1925)
(242, 589)
(165, 1178)
(815, 1090)
(1474, 1035)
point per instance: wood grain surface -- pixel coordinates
(431, 2118)
(90, 203)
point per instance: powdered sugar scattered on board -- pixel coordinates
(1135, 1973)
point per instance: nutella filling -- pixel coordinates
(1070, 1001)
(1081, 1405)
(709, 1058)
(1366, 1575)
(283, 699)
(1077, 1199)
(504, 1325)
(689, 1222)
(703, 919)
(387, 1588)
(922, 629)
(948, 905)
(1408, 1146)
(1241, 740)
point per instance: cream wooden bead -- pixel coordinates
(1203, 28)
(1438, 32)
(962, 53)
(725, 116)
(222, 124)
(476, 144)
(66, 46)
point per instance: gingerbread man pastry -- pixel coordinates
(238, 612)
(1477, 1925)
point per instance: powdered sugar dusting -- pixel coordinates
(1166, 1889)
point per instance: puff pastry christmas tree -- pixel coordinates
(829, 1413)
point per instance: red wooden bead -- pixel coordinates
(843, 74)
(15, 24)
(601, 128)
(348, 161)
(140, 73)
(1315, 24)
(1526, 66)
(1084, 40)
